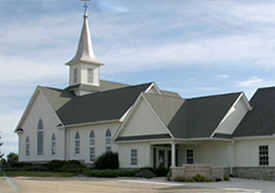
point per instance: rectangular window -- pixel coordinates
(77, 147)
(92, 154)
(134, 158)
(189, 156)
(53, 148)
(40, 143)
(27, 149)
(263, 155)
(75, 75)
(90, 75)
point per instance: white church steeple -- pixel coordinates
(84, 66)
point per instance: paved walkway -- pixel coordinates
(120, 185)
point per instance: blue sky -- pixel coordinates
(195, 48)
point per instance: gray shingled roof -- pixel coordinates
(204, 114)
(192, 118)
(260, 120)
(101, 106)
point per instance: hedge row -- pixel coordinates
(52, 166)
(110, 173)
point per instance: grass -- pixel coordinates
(38, 174)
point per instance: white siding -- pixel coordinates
(82, 74)
(217, 153)
(143, 150)
(247, 152)
(233, 118)
(41, 110)
(143, 122)
(84, 132)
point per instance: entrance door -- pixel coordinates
(169, 158)
(161, 158)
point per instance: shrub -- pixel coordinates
(161, 171)
(34, 168)
(110, 173)
(54, 165)
(108, 160)
(21, 164)
(102, 173)
(65, 166)
(226, 178)
(145, 174)
(197, 178)
(12, 158)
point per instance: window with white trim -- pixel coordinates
(77, 143)
(53, 145)
(75, 75)
(134, 157)
(27, 146)
(92, 146)
(40, 138)
(189, 156)
(108, 140)
(263, 155)
(90, 75)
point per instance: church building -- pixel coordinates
(145, 125)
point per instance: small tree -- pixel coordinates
(12, 158)
(108, 160)
(1, 154)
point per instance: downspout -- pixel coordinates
(65, 143)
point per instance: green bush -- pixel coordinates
(34, 168)
(64, 166)
(21, 164)
(108, 160)
(145, 174)
(197, 178)
(161, 171)
(226, 178)
(12, 158)
(54, 165)
(110, 173)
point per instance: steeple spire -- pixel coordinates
(84, 66)
(85, 52)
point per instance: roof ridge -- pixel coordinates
(180, 98)
(216, 95)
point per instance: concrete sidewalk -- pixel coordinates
(238, 184)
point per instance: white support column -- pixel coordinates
(173, 161)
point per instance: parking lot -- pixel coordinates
(84, 184)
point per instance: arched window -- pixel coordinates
(40, 137)
(108, 140)
(27, 146)
(92, 146)
(77, 144)
(53, 145)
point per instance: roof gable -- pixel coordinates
(260, 120)
(204, 114)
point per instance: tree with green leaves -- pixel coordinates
(12, 158)
(1, 154)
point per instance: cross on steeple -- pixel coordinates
(85, 7)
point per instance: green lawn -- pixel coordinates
(38, 174)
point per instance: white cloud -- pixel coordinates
(252, 82)
(250, 86)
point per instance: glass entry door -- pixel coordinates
(162, 158)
